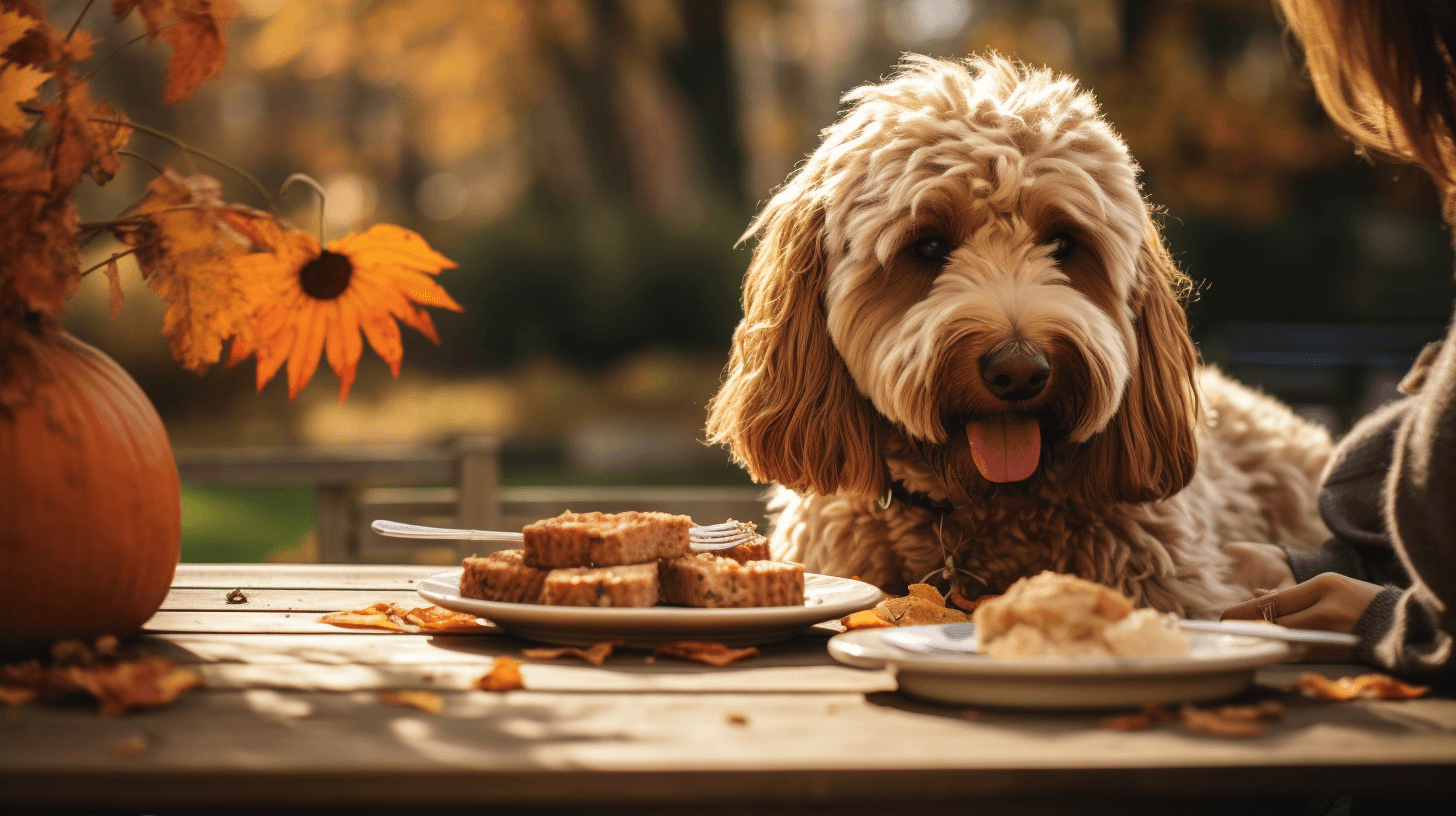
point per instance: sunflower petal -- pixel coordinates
(419, 320)
(392, 245)
(344, 345)
(383, 335)
(312, 323)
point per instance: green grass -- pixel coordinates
(243, 524)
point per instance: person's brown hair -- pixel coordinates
(1384, 71)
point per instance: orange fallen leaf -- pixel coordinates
(864, 619)
(704, 651)
(596, 654)
(968, 604)
(505, 675)
(1370, 686)
(194, 29)
(17, 695)
(426, 701)
(85, 135)
(1216, 724)
(396, 618)
(923, 605)
(1151, 715)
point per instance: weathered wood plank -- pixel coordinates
(244, 622)
(285, 600)
(302, 576)
(533, 747)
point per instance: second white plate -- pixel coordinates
(1219, 665)
(826, 598)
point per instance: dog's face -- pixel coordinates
(966, 261)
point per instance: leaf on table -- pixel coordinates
(438, 619)
(1368, 686)
(1151, 715)
(967, 604)
(923, 605)
(17, 695)
(702, 651)
(1220, 723)
(595, 654)
(864, 619)
(505, 675)
(118, 685)
(397, 618)
(426, 701)
(194, 29)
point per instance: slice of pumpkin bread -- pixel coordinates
(710, 581)
(605, 539)
(629, 585)
(502, 576)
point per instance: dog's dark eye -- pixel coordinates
(932, 248)
(1061, 245)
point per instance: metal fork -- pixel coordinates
(702, 539)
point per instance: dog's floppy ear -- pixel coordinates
(788, 409)
(1149, 449)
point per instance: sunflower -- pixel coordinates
(323, 298)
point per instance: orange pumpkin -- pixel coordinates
(90, 507)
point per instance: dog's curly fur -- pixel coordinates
(858, 361)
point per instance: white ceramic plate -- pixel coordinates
(1218, 665)
(826, 598)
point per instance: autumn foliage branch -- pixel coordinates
(229, 274)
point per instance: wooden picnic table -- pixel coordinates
(291, 719)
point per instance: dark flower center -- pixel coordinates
(327, 276)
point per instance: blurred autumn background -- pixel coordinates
(590, 165)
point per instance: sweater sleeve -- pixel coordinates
(1420, 512)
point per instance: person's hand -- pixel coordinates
(1329, 602)
(1259, 566)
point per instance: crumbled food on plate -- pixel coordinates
(1055, 615)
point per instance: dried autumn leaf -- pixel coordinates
(595, 654)
(426, 701)
(437, 619)
(326, 297)
(18, 84)
(375, 616)
(967, 604)
(396, 618)
(924, 605)
(197, 260)
(17, 695)
(1151, 715)
(194, 29)
(704, 651)
(113, 283)
(1216, 724)
(85, 135)
(505, 675)
(864, 619)
(37, 237)
(1369, 686)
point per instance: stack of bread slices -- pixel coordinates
(629, 559)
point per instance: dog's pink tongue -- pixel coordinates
(1005, 448)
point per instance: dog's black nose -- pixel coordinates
(1014, 373)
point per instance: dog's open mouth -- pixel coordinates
(1006, 447)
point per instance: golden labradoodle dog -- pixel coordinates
(963, 356)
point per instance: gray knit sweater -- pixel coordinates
(1390, 499)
